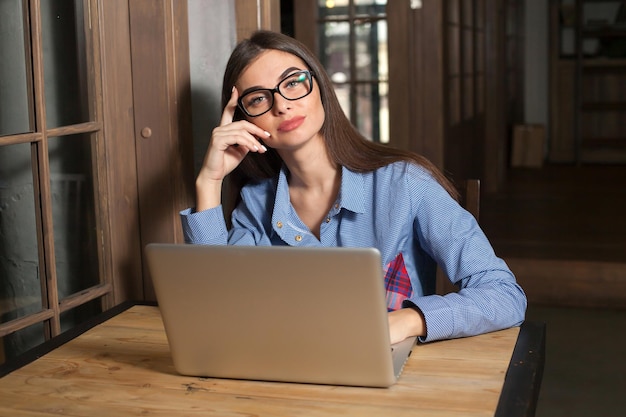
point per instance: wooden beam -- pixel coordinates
(253, 15)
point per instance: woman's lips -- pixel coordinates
(291, 124)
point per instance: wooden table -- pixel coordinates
(121, 366)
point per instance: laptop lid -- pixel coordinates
(312, 315)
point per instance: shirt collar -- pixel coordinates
(351, 195)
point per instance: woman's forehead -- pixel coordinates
(269, 68)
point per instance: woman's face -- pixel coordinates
(291, 123)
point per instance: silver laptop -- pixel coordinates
(310, 315)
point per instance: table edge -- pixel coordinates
(522, 381)
(520, 390)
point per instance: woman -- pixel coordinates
(308, 178)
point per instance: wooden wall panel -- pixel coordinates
(253, 15)
(121, 169)
(416, 60)
(162, 129)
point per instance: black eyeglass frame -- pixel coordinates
(309, 75)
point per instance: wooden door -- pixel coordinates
(162, 123)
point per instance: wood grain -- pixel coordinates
(123, 367)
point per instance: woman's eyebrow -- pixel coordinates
(287, 72)
(280, 78)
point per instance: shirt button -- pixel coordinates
(327, 219)
(337, 205)
(298, 238)
(279, 225)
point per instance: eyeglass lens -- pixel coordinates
(294, 87)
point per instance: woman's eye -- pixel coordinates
(295, 81)
(255, 100)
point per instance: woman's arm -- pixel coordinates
(489, 298)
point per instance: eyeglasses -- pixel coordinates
(294, 87)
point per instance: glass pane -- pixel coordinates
(20, 341)
(454, 52)
(468, 13)
(20, 285)
(468, 52)
(80, 314)
(468, 97)
(65, 63)
(335, 46)
(370, 2)
(453, 11)
(343, 95)
(73, 213)
(338, 9)
(331, 4)
(371, 51)
(480, 93)
(454, 100)
(480, 14)
(371, 8)
(372, 111)
(15, 109)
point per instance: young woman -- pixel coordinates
(306, 177)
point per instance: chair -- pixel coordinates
(469, 191)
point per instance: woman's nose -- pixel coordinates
(281, 104)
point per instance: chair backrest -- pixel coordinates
(470, 196)
(469, 191)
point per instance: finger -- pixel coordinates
(241, 133)
(231, 106)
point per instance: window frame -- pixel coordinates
(52, 306)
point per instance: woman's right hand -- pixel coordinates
(229, 145)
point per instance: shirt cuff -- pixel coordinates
(437, 315)
(206, 227)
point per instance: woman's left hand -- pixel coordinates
(404, 323)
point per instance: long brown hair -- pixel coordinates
(345, 145)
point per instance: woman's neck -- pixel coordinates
(311, 169)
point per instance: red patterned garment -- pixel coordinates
(397, 283)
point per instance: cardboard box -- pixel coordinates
(528, 146)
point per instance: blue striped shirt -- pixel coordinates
(400, 209)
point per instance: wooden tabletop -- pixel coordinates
(122, 367)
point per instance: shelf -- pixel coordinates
(588, 79)
(604, 62)
(599, 63)
(597, 143)
(616, 106)
(604, 33)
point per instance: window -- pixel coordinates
(51, 240)
(352, 38)
(465, 59)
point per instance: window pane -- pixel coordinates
(20, 285)
(80, 314)
(353, 49)
(468, 97)
(73, 213)
(454, 100)
(371, 51)
(373, 111)
(453, 11)
(338, 9)
(343, 95)
(335, 47)
(15, 109)
(65, 64)
(20, 341)
(454, 53)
